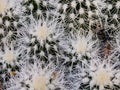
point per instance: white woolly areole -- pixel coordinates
(65, 6)
(73, 4)
(7, 23)
(80, 0)
(81, 21)
(81, 45)
(72, 16)
(88, 3)
(3, 6)
(39, 82)
(8, 56)
(101, 78)
(10, 53)
(81, 11)
(110, 6)
(7, 4)
(42, 32)
(118, 4)
(1, 31)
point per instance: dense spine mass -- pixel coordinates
(59, 45)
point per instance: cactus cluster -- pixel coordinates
(59, 45)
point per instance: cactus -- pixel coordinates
(59, 45)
